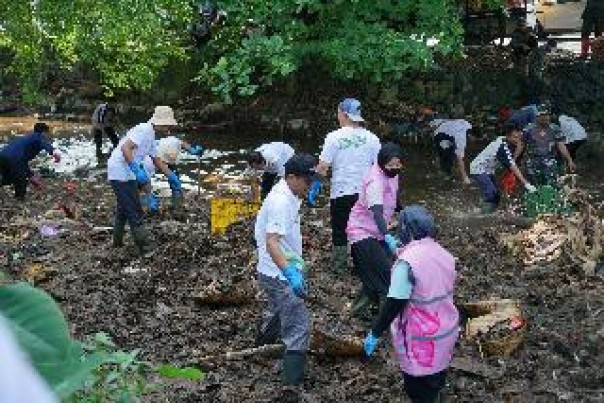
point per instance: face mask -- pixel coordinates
(391, 173)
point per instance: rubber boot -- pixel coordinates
(176, 201)
(585, 44)
(119, 228)
(294, 363)
(339, 259)
(142, 240)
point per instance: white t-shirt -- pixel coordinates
(143, 135)
(455, 128)
(572, 129)
(276, 154)
(350, 152)
(279, 214)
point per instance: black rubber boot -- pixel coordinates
(142, 240)
(119, 228)
(294, 363)
(339, 259)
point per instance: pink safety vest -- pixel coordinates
(424, 334)
(361, 224)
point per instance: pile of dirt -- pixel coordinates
(155, 304)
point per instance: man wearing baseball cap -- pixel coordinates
(279, 242)
(540, 141)
(126, 175)
(349, 151)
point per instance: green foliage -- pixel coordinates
(129, 42)
(95, 371)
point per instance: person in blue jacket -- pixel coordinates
(15, 157)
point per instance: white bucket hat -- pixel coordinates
(163, 116)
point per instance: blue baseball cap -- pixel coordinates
(352, 108)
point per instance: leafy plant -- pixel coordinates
(95, 371)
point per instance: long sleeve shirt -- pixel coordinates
(23, 149)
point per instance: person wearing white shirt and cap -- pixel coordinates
(270, 158)
(350, 152)
(279, 244)
(450, 140)
(125, 174)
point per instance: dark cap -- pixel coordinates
(302, 165)
(543, 109)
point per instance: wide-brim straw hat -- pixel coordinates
(163, 116)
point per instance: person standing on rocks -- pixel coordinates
(277, 234)
(349, 151)
(126, 174)
(371, 244)
(593, 21)
(15, 157)
(103, 121)
(419, 309)
(270, 158)
(540, 141)
(450, 139)
(482, 168)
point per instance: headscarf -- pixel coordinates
(387, 153)
(415, 222)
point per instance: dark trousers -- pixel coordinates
(488, 187)
(372, 264)
(267, 183)
(592, 23)
(98, 137)
(340, 208)
(424, 389)
(9, 175)
(573, 147)
(445, 149)
(129, 207)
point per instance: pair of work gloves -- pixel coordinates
(294, 274)
(143, 178)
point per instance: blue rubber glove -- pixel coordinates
(174, 182)
(370, 344)
(195, 150)
(150, 201)
(140, 173)
(313, 192)
(392, 242)
(295, 279)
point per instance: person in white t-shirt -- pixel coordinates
(126, 175)
(279, 244)
(574, 133)
(169, 150)
(450, 139)
(349, 151)
(270, 158)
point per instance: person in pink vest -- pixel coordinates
(367, 229)
(419, 309)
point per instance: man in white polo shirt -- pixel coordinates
(349, 151)
(270, 158)
(126, 175)
(278, 239)
(450, 139)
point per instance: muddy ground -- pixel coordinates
(150, 304)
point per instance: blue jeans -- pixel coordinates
(488, 186)
(129, 207)
(288, 310)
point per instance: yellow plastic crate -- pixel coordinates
(227, 211)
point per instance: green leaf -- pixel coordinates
(173, 372)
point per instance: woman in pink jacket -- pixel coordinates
(419, 308)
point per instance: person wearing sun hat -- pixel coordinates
(349, 151)
(126, 175)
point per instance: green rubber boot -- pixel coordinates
(294, 363)
(119, 229)
(339, 259)
(142, 240)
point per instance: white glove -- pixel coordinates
(530, 188)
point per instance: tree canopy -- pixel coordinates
(129, 42)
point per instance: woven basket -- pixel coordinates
(475, 309)
(506, 345)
